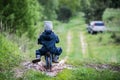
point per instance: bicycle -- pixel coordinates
(48, 60)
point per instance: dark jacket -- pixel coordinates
(48, 39)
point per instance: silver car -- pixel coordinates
(96, 26)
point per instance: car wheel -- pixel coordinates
(101, 31)
(88, 31)
(92, 32)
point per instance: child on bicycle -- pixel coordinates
(48, 39)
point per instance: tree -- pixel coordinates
(20, 16)
(114, 4)
(67, 9)
(64, 14)
(94, 9)
(49, 9)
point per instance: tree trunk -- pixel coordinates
(1, 26)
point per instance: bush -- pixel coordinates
(112, 17)
(115, 37)
(64, 14)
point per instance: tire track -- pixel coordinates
(68, 50)
(83, 44)
(69, 41)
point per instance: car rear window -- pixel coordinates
(99, 24)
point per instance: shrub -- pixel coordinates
(64, 14)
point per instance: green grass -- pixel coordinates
(91, 74)
(9, 58)
(81, 73)
(101, 49)
(75, 55)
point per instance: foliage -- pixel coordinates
(9, 57)
(114, 4)
(111, 17)
(67, 9)
(64, 14)
(24, 16)
(73, 5)
(7, 75)
(49, 9)
(94, 9)
(19, 16)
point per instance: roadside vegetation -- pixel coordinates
(9, 57)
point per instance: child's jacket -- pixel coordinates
(48, 39)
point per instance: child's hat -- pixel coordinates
(48, 25)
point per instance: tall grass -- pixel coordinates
(102, 48)
(9, 58)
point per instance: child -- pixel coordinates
(48, 39)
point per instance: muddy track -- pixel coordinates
(56, 67)
(40, 66)
(101, 67)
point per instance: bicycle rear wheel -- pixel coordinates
(48, 59)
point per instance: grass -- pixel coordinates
(101, 49)
(82, 73)
(9, 58)
(91, 74)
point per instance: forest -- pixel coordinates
(25, 16)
